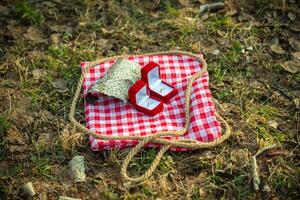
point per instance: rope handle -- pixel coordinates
(156, 137)
(153, 165)
(159, 155)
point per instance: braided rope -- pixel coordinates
(156, 137)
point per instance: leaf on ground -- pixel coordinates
(17, 145)
(104, 44)
(221, 33)
(16, 31)
(200, 180)
(202, 1)
(184, 2)
(276, 47)
(3, 10)
(240, 156)
(296, 26)
(56, 38)
(231, 9)
(15, 137)
(39, 73)
(36, 54)
(228, 107)
(242, 17)
(291, 16)
(216, 52)
(292, 132)
(295, 43)
(44, 139)
(273, 124)
(278, 152)
(296, 56)
(291, 66)
(61, 28)
(60, 85)
(35, 35)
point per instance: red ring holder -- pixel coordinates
(158, 88)
(139, 96)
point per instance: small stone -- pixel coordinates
(207, 154)
(256, 84)
(216, 52)
(56, 38)
(291, 66)
(249, 48)
(242, 17)
(202, 193)
(61, 28)
(266, 188)
(246, 60)
(39, 73)
(36, 54)
(297, 102)
(296, 56)
(67, 198)
(60, 85)
(276, 47)
(42, 196)
(101, 42)
(211, 7)
(35, 35)
(127, 185)
(100, 175)
(184, 2)
(3, 10)
(43, 139)
(295, 26)
(292, 132)
(295, 44)
(77, 168)
(28, 190)
(273, 124)
(292, 16)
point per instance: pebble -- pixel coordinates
(28, 190)
(216, 52)
(249, 48)
(78, 169)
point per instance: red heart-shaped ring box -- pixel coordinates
(158, 88)
(139, 97)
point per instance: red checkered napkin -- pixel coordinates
(112, 117)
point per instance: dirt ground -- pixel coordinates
(253, 54)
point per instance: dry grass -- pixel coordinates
(250, 84)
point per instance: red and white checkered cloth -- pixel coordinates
(112, 117)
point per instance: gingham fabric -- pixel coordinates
(110, 116)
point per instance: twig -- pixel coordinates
(255, 175)
(211, 7)
(67, 198)
(10, 103)
(265, 148)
